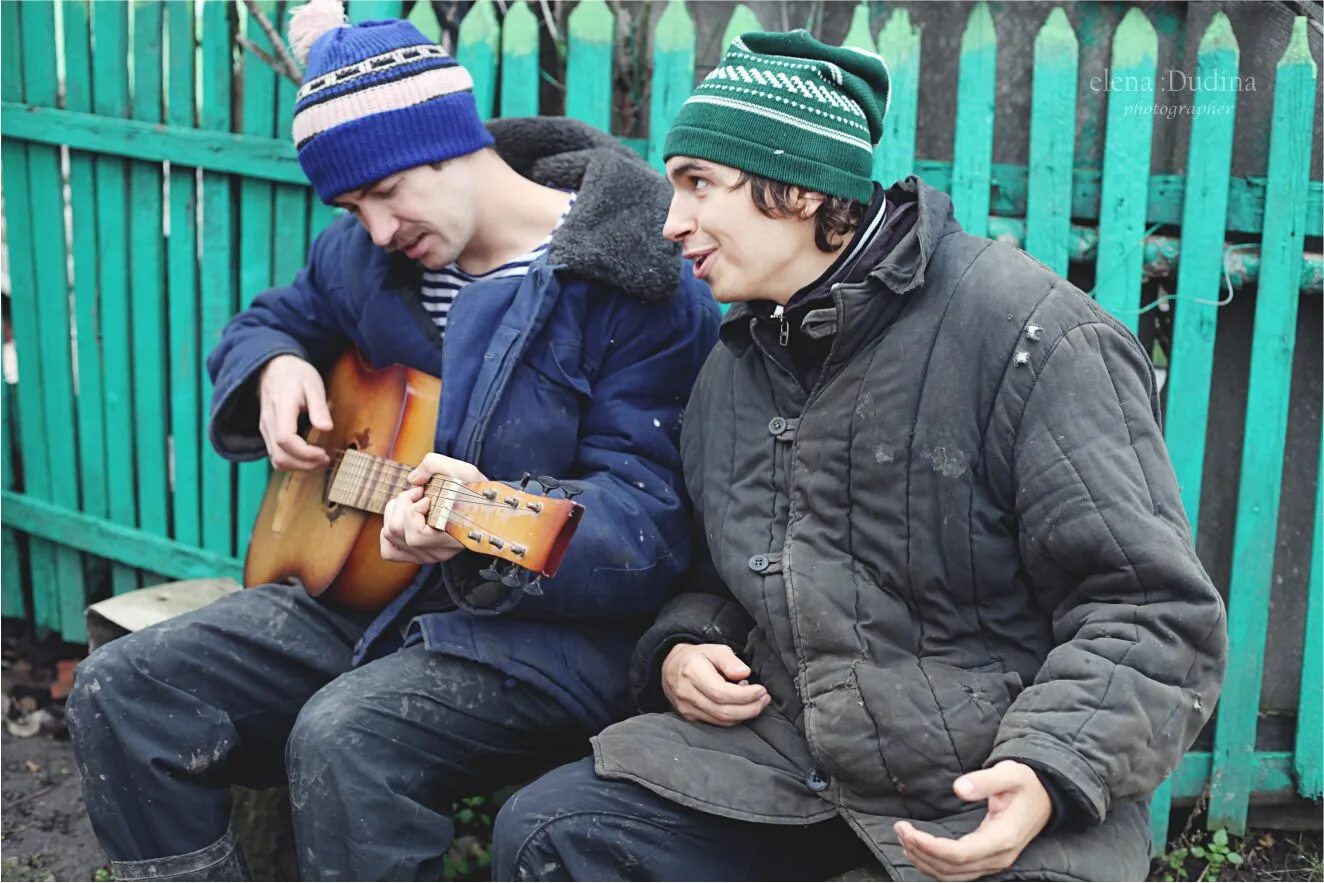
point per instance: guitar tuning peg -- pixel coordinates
(571, 489)
(524, 482)
(511, 580)
(490, 574)
(548, 482)
(534, 587)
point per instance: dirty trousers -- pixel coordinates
(574, 825)
(256, 689)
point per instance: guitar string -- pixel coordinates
(400, 470)
(359, 473)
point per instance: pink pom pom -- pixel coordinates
(311, 21)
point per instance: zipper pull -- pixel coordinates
(784, 330)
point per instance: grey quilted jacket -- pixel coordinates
(964, 544)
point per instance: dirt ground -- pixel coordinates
(45, 835)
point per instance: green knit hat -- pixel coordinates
(787, 107)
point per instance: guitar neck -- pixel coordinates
(367, 482)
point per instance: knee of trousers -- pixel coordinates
(107, 680)
(532, 830)
(332, 738)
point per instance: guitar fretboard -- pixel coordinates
(367, 482)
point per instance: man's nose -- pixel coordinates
(679, 223)
(381, 226)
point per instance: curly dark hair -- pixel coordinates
(837, 217)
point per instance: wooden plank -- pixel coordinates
(290, 229)
(1271, 771)
(35, 473)
(54, 349)
(146, 280)
(108, 539)
(588, 66)
(110, 99)
(424, 17)
(899, 45)
(1130, 126)
(82, 190)
(1268, 394)
(12, 572)
(258, 117)
(274, 159)
(479, 39)
(373, 10)
(186, 412)
(217, 288)
(519, 62)
(673, 75)
(972, 150)
(1052, 143)
(742, 21)
(1308, 758)
(219, 151)
(1200, 282)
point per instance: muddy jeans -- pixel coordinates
(256, 689)
(574, 825)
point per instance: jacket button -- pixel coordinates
(776, 426)
(817, 780)
(758, 563)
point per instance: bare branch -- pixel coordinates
(288, 65)
(269, 61)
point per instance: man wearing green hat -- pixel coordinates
(949, 614)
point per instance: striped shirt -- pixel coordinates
(441, 287)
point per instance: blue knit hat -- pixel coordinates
(377, 98)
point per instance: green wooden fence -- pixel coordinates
(182, 206)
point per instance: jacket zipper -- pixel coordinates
(784, 328)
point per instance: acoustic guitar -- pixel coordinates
(322, 526)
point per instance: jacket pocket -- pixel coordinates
(927, 723)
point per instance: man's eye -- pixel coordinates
(700, 184)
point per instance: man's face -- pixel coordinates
(740, 252)
(425, 212)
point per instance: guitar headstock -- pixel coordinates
(492, 518)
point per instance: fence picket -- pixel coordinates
(899, 45)
(742, 21)
(1052, 142)
(182, 284)
(217, 279)
(972, 150)
(82, 191)
(1126, 168)
(11, 568)
(146, 278)
(479, 42)
(110, 98)
(14, 171)
(673, 74)
(289, 232)
(1308, 762)
(1255, 538)
(1200, 272)
(519, 62)
(588, 64)
(258, 117)
(53, 348)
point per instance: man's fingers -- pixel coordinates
(981, 849)
(983, 784)
(722, 692)
(314, 393)
(696, 706)
(725, 660)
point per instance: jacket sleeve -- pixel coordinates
(300, 319)
(1140, 631)
(706, 614)
(633, 542)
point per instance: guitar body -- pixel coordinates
(331, 548)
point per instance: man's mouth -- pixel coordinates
(415, 248)
(703, 261)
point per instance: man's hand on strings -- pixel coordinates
(289, 386)
(406, 535)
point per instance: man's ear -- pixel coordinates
(807, 203)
